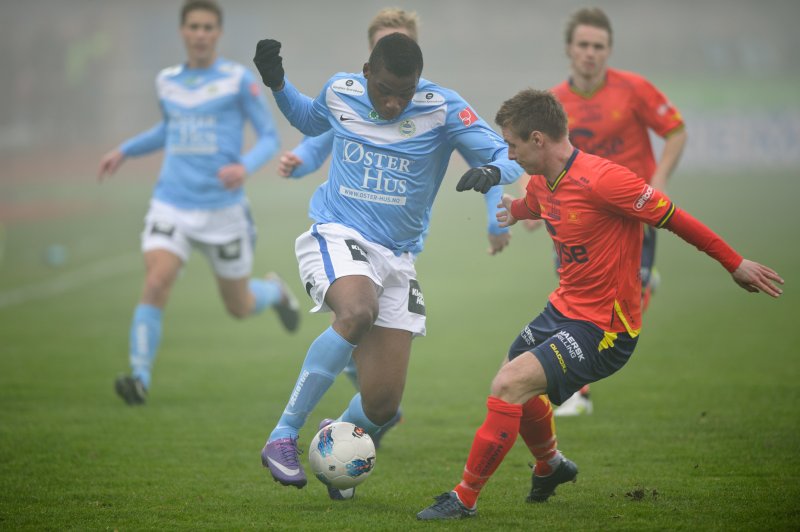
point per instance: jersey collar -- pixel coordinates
(564, 171)
(592, 92)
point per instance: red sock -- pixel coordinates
(492, 442)
(537, 427)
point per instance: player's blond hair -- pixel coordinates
(588, 16)
(393, 17)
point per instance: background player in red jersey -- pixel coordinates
(611, 113)
(593, 209)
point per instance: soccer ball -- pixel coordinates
(342, 455)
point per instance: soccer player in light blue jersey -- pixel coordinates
(199, 199)
(394, 133)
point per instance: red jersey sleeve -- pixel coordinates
(699, 235)
(526, 208)
(623, 192)
(655, 110)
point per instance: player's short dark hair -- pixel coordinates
(588, 16)
(399, 53)
(533, 110)
(205, 5)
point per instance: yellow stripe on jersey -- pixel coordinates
(618, 309)
(608, 340)
(661, 223)
(525, 201)
(557, 181)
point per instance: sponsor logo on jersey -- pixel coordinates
(348, 86)
(467, 117)
(642, 200)
(416, 301)
(255, 89)
(343, 118)
(527, 335)
(381, 183)
(355, 250)
(571, 344)
(231, 250)
(407, 128)
(661, 203)
(162, 228)
(428, 98)
(559, 357)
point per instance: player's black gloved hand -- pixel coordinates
(481, 179)
(269, 63)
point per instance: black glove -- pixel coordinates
(481, 179)
(269, 62)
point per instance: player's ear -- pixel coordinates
(365, 70)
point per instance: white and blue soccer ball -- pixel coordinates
(342, 455)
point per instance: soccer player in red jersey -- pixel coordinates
(611, 113)
(593, 210)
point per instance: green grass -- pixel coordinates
(702, 422)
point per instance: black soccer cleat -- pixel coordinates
(131, 390)
(543, 487)
(447, 506)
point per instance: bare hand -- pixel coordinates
(504, 216)
(755, 277)
(232, 175)
(532, 225)
(287, 164)
(498, 242)
(109, 164)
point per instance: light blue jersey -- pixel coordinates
(204, 111)
(385, 174)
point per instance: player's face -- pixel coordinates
(200, 31)
(389, 93)
(383, 32)
(525, 151)
(589, 51)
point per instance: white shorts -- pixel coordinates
(327, 252)
(225, 236)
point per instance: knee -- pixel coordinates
(503, 386)
(237, 309)
(354, 323)
(156, 287)
(382, 412)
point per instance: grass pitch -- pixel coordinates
(698, 432)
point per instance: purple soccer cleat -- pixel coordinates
(281, 458)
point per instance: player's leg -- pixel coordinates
(165, 250)
(515, 383)
(245, 296)
(650, 277)
(340, 278)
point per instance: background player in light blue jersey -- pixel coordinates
(199, 199)
(393, 136)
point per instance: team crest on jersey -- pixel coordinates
(374, 116)
(407, 128)
(467, 116)
(428, 98)
(348, 86)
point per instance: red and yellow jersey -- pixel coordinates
(613, 121)
(594, 213)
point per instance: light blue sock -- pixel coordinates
(145, 338)
(266, 292)
(355, 415)
(326, 358)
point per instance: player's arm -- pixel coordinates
(146, 142)
(255, 109)
(524, 208)
(626, 193)
(307, 156)
(309, 116)
(674, 143)
(660, 115)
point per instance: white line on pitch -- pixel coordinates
(83, 276)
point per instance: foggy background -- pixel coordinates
(78, 75)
